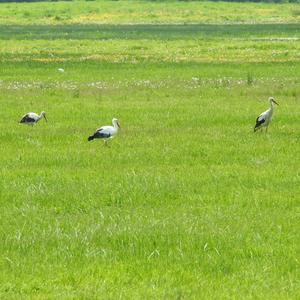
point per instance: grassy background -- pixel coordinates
(147, 12)
(187, 202)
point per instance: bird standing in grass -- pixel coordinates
(32, 118)
(265, 118)
(106, 132)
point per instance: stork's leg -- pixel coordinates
(266, 129)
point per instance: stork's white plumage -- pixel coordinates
(106, 132)
(265, 118)
(32, 118)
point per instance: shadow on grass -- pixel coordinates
(159, 32)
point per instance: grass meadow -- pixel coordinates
(186, 202)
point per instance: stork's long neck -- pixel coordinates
(41, 115)
(271, 105)
(115, 124)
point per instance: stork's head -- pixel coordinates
(271, 100)
(116, 123)
(43, 114)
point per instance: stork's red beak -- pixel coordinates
(118, 124)
(275, 102)
(45, 118)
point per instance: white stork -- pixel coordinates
(32, 118)
(265, 118)
(106, 132)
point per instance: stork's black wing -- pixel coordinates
(27, 119)
(259, 121)
(99, 134)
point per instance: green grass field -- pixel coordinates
(147, 12)
(187, 202)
